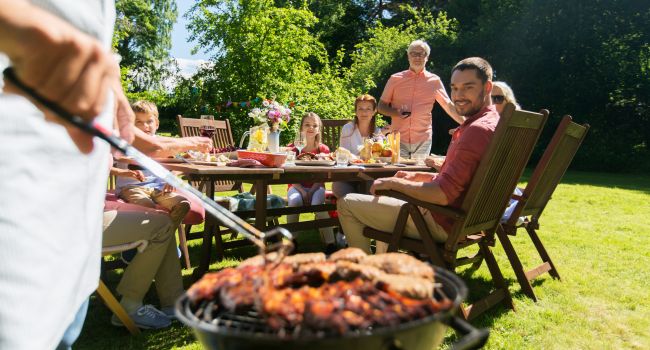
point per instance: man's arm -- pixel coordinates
(424, 191)
(385, 109)
(58, 61)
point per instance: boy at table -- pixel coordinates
(140, 186)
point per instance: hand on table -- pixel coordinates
(434, 162)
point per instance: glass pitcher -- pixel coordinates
(258, 139)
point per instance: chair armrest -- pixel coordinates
(444, 210)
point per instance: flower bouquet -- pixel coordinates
(273, 114)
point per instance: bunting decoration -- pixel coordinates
(255, 102)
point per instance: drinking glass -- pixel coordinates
(291, 158)
(300, 141)
(207, 128)
(342, 159)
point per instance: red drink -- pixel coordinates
(207, 131)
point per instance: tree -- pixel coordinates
(143, 39)
(584, 58)
(259, 51)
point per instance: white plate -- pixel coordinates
(316, 162)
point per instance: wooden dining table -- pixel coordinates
(261, 178)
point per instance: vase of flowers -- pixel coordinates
(276, 117)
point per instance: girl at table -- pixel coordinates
(309, 193)
(352, 135)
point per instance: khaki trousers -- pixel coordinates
(177, 205)
(356, 211)
(159, 261)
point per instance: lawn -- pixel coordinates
(596, 229)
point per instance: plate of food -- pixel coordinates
(320, 159)
(371, 163)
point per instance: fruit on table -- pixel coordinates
(377, 147)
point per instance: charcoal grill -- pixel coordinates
(247, 331)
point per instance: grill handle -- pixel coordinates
(473, 338)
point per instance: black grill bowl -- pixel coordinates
(248, 333)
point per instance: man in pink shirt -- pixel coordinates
(408, 99)
(471, 84)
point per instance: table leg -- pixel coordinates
(260, 204)
(210, 226)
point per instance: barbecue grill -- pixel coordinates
(248, 330)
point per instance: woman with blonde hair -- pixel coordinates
(502, 94)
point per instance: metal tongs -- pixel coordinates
(261, 239)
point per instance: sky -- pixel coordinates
(181, 47)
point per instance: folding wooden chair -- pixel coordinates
(478, 217)
(545, 178)
(332, 132)
(106, 295)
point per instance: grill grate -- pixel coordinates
(251, 323)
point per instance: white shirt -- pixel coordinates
(52, 199)
(351, 138)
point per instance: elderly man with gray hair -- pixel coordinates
(408, 99)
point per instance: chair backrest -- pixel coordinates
(222, 137)
(498, 172)
(332, 132)
(549, 171)
(192, 127)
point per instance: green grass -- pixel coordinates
(596, 229)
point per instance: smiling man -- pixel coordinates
(471, 84)
(408, 99)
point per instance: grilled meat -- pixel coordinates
(307, 293)
(410, 286)
(348, 271)
(305, 258)
(400, 264)
(349, 254)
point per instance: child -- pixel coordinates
(352, 136)
(307, 193)
(142, 187)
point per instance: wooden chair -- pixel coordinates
(194, 217)
(332, 132)
(222, 137)
(106, 295)
(481, 210)
(545, 178)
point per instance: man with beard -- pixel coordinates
(471, 84)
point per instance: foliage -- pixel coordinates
(584, 58)
(384, 53)
(143, 39)
(260, 51)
